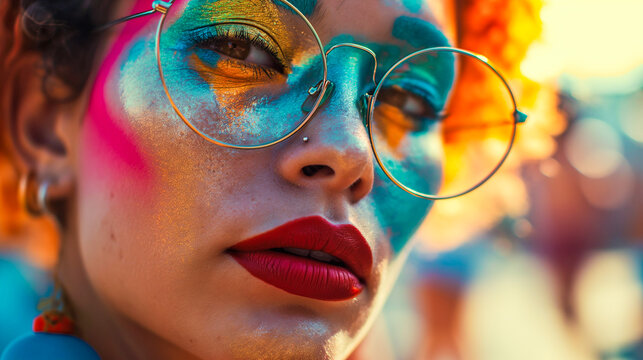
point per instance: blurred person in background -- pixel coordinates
(587, 206)
(564, 280)
(561, 278)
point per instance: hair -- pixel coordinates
(57, 37)
(60, 31)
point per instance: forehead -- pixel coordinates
(422, 23)
(408, 24)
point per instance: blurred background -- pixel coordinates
(545, 261)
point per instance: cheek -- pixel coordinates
(399, 213)
(140, 176)
(143, 174)
(130, 196)
(114, 168)
(112, 148)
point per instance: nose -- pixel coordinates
(337, 156)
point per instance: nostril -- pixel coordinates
(356, 184)
(319, 170)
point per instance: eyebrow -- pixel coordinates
(419, 33)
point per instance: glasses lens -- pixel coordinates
(239, 73)
(442, 122)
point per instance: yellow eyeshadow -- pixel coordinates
(231, 90)
(266, 14)
(392, 124)
(234, 85)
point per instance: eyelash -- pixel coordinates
(205, 38)
(429, 100)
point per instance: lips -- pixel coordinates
(309, 257)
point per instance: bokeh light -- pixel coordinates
(594, 148)
(609, 298)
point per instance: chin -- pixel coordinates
(287, 333)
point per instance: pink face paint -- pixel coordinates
(108, 136)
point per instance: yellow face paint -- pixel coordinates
(393, 126)
(239, 89)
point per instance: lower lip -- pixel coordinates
(299, 275)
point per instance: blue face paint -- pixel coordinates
(136, 51)
(387, 54)
(307, 7)
(398, 213)
(418, 33)
(438, 67)
(413, 6)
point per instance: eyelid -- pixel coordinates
(252, 34)
(421, 89)
(253, 30)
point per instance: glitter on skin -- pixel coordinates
(105, 129)
(204, 195)
(240, 108)
(387, 54)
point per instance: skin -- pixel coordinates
(155, 206)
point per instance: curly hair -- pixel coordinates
(56, 38)
(61, 31)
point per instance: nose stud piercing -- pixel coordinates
(305, 139)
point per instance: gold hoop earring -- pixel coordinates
(32, 196)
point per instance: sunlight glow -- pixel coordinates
(587, 38)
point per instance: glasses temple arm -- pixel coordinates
(157, 6)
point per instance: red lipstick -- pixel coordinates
(309, 257)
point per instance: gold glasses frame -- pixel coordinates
(162, 8)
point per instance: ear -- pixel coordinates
(37, 128)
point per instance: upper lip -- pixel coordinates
(343, 241)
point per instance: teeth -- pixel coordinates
(313, 254)
(296, 251)
(322, 256)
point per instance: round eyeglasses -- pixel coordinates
(251, 77)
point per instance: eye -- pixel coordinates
(408, 102)
(240, 46)
(244, 50)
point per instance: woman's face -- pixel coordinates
(163, 214)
